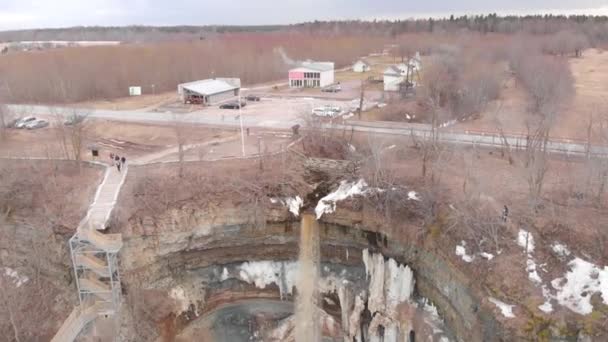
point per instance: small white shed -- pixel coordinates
(361, 66)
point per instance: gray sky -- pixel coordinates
(18, 14)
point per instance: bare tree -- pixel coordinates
(8, 297)
(77, 132)
(361, 98)
(180, 139)
(3, 118)
(567, 42)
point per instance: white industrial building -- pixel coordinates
(210, 91)
(312, 75)
(361, 66)
(396, 75)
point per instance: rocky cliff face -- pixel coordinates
(204, 261)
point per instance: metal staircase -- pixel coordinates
(95, 260)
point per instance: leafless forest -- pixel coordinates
(160, 58)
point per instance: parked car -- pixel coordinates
(252, 98)
(24, 121)
(233, 105)
(332, 88)
(36, 124)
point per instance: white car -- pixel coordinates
(21, 123)
(327, 111)
(36, 124)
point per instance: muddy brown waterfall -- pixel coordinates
(307, 318)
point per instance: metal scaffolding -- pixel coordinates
(95, 259)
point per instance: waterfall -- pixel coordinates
(307, 280)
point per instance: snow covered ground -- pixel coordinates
(505, 309)
(575, 289)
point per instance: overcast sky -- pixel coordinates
(19, 14)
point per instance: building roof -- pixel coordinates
(316, 66)
(397, 70)
(211, 86)
(361, 62)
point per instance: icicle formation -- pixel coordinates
(390, 284)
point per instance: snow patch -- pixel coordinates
(505, 309)
(560, 249)
(294, 204)
(575, 289)
(526, 241)
(413, 196)
(461, 251)
(17, 278)
(532, 273)
(487, 256)
(346, 189)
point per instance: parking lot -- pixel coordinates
(270, 111)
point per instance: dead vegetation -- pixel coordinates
(41, 203)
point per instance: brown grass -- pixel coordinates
(81, 74)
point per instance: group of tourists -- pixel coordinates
(118, 161)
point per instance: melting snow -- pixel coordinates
(18, 279)
(560, 250)
(506, 309)
(294, 204)
(346, 189)
(413, 195)
(486, 255)
(462, 252)
(575, 289)
(525, 238)
(532, 273)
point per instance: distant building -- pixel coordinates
(210, 91)
(312, 75)
(394, 76)
(361, 66)
(399, 74)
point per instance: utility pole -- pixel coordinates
(241, 123)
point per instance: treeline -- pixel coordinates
(105, 72)
(594, 27)
(129, 33)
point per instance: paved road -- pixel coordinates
(447, 135)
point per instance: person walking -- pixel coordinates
(117, 162)
(122, 161)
